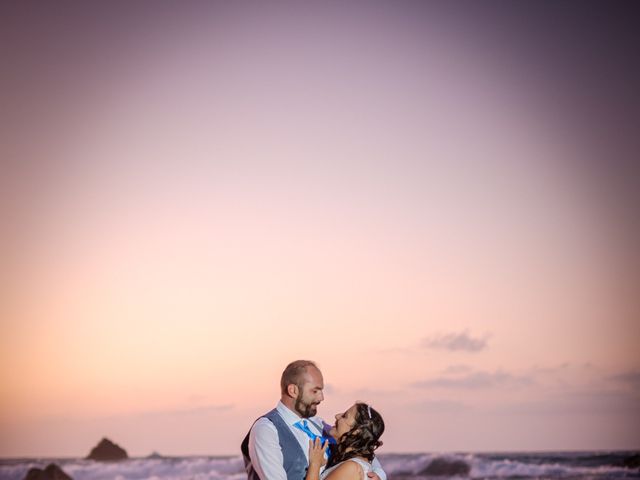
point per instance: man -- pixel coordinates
(277, 446)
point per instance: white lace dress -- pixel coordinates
(366, 468)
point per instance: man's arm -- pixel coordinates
(265, 452)
(377, 469)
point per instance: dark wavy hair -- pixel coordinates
(362, 439)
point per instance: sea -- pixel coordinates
(414, 466)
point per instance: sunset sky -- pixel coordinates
(436, 202)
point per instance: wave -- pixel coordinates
(485, 466)
(594, 466)
(177, 468)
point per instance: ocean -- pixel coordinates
(415, 466)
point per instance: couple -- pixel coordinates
(291, 443)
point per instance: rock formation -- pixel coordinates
(52, 472)
(446, 468)
(107, 451)
(632, 461)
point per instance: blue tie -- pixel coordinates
(304, 426)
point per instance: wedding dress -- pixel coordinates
(366, 468)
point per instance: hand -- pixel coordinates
(317, 452)
(373, 476)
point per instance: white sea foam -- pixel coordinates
(482, 468)
(406, 466)
(195, 468)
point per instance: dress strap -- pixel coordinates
(366, 466)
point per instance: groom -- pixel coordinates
(277, 446)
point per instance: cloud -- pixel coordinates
(554, 369)
(412, 350)
(579, 403)
(364, 393)
(205, 409)
(454, 369)
(631, 378)
(456, 342)
(476, 380)
(438, 406)
(196, 398)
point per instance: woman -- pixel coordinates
(357, 432)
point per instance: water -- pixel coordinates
(550, 465)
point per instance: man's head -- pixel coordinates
(301, 386)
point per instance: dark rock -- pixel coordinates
(107, 451)
(443, 467)
(52, 472)
(404, 476)
(400, 475)
(633, 461)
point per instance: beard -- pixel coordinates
(305, 409)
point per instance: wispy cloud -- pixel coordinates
(438, 406)
(364, 393)
(453, 342)
(199, 410)
(197, 398)
(476, 380)
(411, 350)
(145, 414)
(631, 378)
(551, 370)
(456, 369)
(579, 402)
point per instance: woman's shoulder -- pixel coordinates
(351, 468)
(362, 462)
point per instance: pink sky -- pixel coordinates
(200, 196)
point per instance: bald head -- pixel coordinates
(301, 386)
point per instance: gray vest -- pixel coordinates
(295, 461)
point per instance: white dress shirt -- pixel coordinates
(264, 447)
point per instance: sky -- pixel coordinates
(436, 202)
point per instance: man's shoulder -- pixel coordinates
(263, 423)
(263, 430)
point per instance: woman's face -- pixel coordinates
(344, 422)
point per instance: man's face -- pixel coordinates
(309, 393)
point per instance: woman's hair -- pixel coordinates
(362, 439)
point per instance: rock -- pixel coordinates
(446, 468)
(403, 476)
(400, 475)
(107, 451)
(633, 461)
(52, 472)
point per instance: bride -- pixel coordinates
(357, 432)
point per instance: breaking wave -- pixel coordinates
(592, 466)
